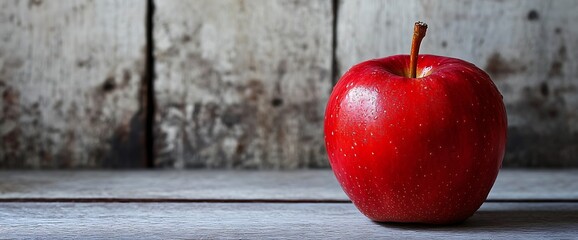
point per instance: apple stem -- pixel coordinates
(419, 30)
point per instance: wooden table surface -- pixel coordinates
(266, 204)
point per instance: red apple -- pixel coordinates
(423, 149)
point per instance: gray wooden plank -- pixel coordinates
(250, 220)
(515, 184)
(267, 185)
(310, 184)
(525, 46)
(71, 74)
(241, 84)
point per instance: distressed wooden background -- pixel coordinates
(243, 84)
(71, 78)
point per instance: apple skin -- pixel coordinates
(422, 150)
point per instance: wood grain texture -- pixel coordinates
(217, 184)
(241, 84)
(259, 221)
(524, 45)
(70, 79)
(310, 185)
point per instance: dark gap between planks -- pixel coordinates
(149, 104)
(185, 200)
(334, 63)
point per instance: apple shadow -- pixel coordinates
(503, 221)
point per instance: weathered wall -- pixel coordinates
(527, 47)
(70, 76)
(241, 84)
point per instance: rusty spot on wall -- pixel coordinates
(186, 38)
(276, 102)
(232, 115)
(555, 69)
(533, 15)
(11, 98)
(11, 143)
(10, 140)
(498, 67)
(84, 62)
(126, 145)
(108, 84)
(544, 102)
(34, 3)
(64, 156)
(544, 89)
(126, 76)
(253, 90)
(557, 66)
